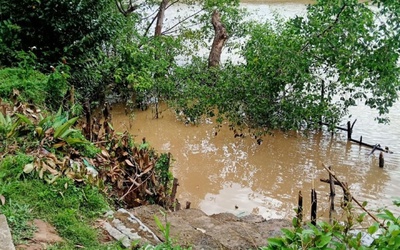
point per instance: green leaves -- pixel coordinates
(64, 130)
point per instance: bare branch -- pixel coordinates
(131, 8)
(181, 21)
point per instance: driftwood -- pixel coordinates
(220, 38)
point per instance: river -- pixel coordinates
(221, 173)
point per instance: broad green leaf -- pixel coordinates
(278, 242)
(323, 241)
(63, 128)
(372, 229)
(24, 119)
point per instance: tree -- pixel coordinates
(150, 64)
(309, 69)
(55, 29)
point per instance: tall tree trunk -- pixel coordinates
(160, 17)
(219, 40)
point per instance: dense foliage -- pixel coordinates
(342, 235)
(304, 70)
(292, 74)
(56, 29)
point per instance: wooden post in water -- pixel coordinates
(175, 185)
(381, 160)
(349, 131)
(331, 195)
(313, 207)
(300, 209)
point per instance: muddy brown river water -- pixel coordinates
(226, 174)
(220, 173)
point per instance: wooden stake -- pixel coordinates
(313, 207)
(300, 208)
(175, 185)
(381, 160)
(331, 195)
(349, 130)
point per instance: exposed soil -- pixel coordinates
(44, 236)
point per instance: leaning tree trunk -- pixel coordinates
(219, 40)
(160, 17)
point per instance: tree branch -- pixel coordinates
(327, 28)
(132, 7)
(221, 35)
(181, 21)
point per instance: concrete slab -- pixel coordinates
(6, 242)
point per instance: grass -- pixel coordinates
(71, 208)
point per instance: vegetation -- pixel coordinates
(293, 74)
(49, 170)
(341, 235)
(63, 204)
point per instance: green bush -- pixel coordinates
(28, 85)
(57, 28)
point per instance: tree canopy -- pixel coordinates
(304, 70)
(294, 74)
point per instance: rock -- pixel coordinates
(116, 234)
(126, 228)
(193, 228)
(6, 242)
